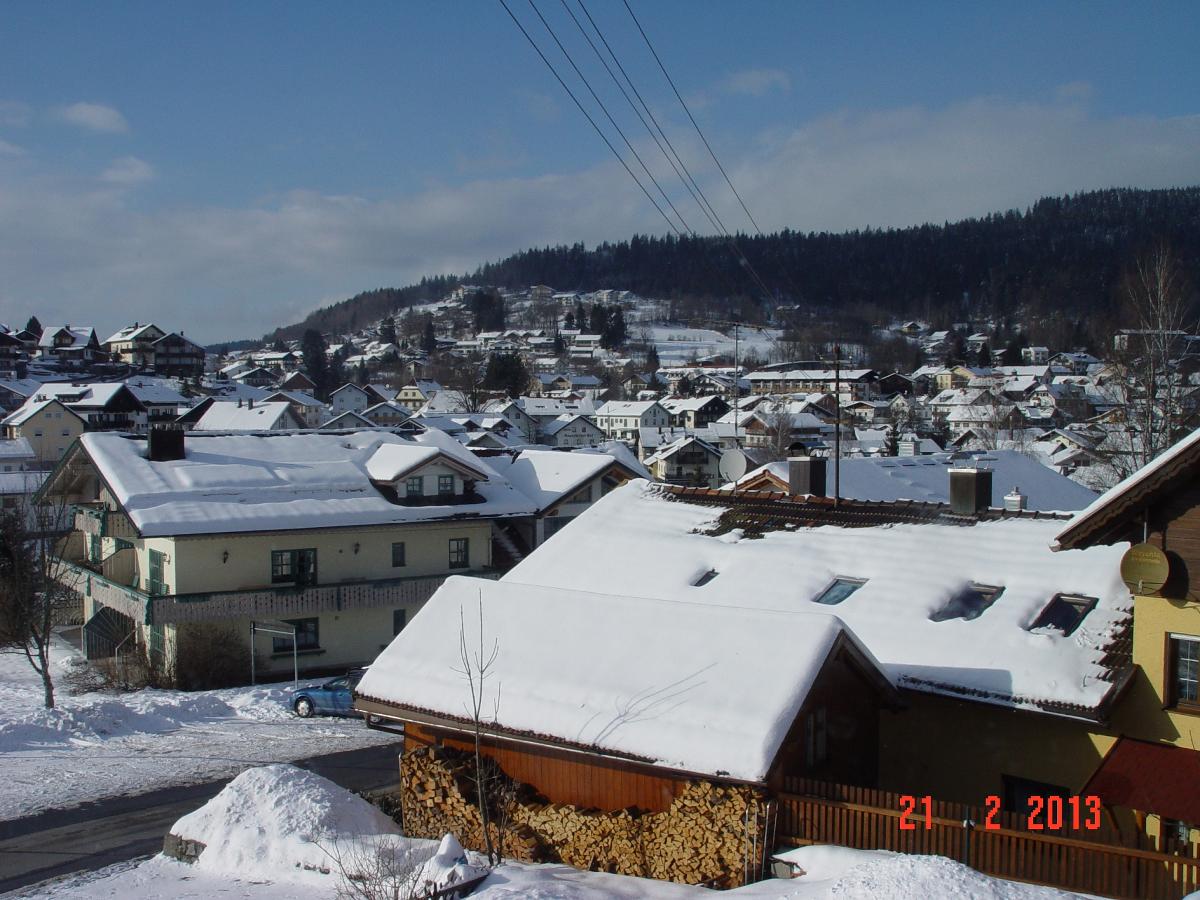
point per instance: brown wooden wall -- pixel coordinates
(852, 706)
(1175, 527)
(563, 777)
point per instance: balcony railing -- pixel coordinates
(95, 518)
(263, 603)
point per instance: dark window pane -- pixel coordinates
(398, 554)
(399, 620)
(445, 485)
(1187, 669)
(1065, 612)
(969, 603)
(459, 553)
(838, 591)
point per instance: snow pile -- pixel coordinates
(448, 866)
(272, 820)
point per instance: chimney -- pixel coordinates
(1014, 501)
(239, 402)
(806, 475)
(970, 491)
(250, 403)
(165, 444)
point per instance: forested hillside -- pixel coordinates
(1064, 256)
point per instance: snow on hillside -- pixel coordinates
(677, 344)
(99, 745)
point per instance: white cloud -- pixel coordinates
(128, 171)
(73, 252)
(13, 113)
(756, 82)
(94, 117)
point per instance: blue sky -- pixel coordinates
(224, 168)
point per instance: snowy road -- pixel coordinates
(99, 834)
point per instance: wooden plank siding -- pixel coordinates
(587, 781)
(1175, 528)
(812, 812)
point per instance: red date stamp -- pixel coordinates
(1052, 813)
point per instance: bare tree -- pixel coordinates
(1147, 386)
(478, 661)
(31, 590)
(780, 424)
(463, 380)
(378, 867)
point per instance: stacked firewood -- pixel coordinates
(702, 838)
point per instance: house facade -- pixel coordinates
(47, 426)
(620, 420)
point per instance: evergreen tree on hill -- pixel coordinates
(316, 365)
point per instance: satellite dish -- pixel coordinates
(732, 465)
(1144, 569)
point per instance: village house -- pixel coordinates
(48, 427)
(343, 535)
(856, 384)
(572, 431)
(687, 735)
(687, 460)
(621, 419)
(416, 393)
(308, 411)
(70, 343)
(133, 344)
(102, 405)
(694, 412)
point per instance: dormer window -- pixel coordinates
(839, 591)
(445, 485)
(969, 603)
(1065, 613)
(415, 486)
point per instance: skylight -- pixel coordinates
(839, 590)
(705, 578)
(1064, 612)
(969, 603)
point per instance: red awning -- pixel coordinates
(1152, 778)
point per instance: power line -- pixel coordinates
(690, 182)
(690, 116)
(675, 163)
(588, 116)
(611, 120)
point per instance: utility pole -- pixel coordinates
(837, 426)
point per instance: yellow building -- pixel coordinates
(49, 426)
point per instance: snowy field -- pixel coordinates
(677, 345)
(98, 745)
(279, 832)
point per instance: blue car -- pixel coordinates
(334, 697)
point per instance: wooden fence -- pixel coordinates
(814, 812)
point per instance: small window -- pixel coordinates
(1183, 670)
(308, 636)
(398, 555)
(416, 486)
(460, 556)
(399, 620)
(969, 603)
(37, 432)
(445, 485)
(839, 591)
(66, 432)
(1065, 612)
(294, 567)
(705, 578)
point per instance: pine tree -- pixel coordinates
(316, 366)
(429, 337)
(387, 331)
(33, 326)
(652, 363)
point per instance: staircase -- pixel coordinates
(509, 542)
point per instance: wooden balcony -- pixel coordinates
(263, 603)
(94, 518)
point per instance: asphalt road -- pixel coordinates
(94, 835)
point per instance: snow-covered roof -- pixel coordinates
(131, 332)
(227, 415)
(90, 395)
(555, 426)
(553, 407)
(911, 571)
(927, 478)
(81, 335)
(30, 409)
(632, 408)
(155, 391)
(700, 687)
(22, 387)
(275, 482)
(348, 419)
(677, 405)
(16, 448)
(547, 476)
(298, 397)
(669, 449)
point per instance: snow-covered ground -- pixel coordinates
(677, 345)
(98, 745)
(277, 831)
